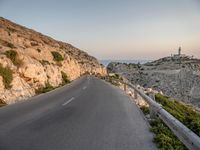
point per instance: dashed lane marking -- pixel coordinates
(67, 102)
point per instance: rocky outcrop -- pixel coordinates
(36, 60)
(178, 78)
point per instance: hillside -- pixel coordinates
(30, 60)
(177, 77)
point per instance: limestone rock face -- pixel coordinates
(33, 70)
(34, 64)
(53, 75)
(20, 90)
(73, 70)
(174, 78)
(1, 85)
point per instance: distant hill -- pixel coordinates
(30, 60)
(175, 76)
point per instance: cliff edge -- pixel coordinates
(175, 76)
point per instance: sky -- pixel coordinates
(114, 29)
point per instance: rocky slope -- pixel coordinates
(30, 60)
(175, 77)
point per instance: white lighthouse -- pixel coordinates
(179, 51)
(180, 55)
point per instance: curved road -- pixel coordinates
(88, 114)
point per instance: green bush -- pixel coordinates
(145, 110)
(7, 76)
(65, 79)
(164, 137)
(114, 82)
(57, 56)
(114, 79)
(48, 87)
(182, 112)
(10, 45)
(44, 62)
(12, 55)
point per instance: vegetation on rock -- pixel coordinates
(182, 112)
(39, 50)
(114, 79)
(145, 109)
(65, 79)
(44, 62)
(57, 56)
(164, 137)
(12, 55)
(48, 87)
(10, 45)
(7, 76)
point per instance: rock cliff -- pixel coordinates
(30, 60)
(175, 77)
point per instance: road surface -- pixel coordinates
(88, 114)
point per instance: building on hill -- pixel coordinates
(180, 55)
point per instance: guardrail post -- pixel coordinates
(153, 113)
(135, 94)
(152, 109)
(124, 86)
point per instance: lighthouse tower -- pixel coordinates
(179, 51)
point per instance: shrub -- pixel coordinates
(65, 79)
(57, 56)
(39, 50)
(44, 62)
(12, 55)
(10, 45)
(7, 76)
(164, 137)
(48, 87)
(116, 83)
(11, 29)
(182, 112)
(113, 79)
(145, 110)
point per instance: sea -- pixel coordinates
(107, 61)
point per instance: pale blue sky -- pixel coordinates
(114, 29)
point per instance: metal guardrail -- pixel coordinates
(187, 136)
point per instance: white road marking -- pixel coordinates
(84, 87)
(67, 102)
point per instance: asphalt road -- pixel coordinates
(88, 114)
